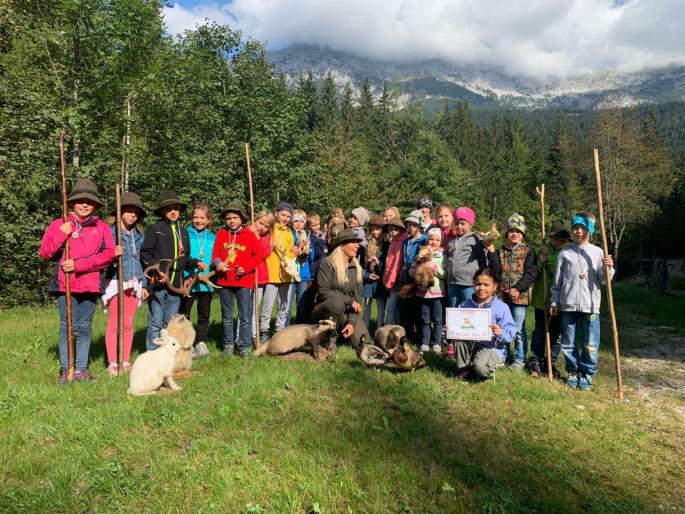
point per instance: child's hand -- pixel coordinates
(373, 277)
(544, 252)
(201, 266)
(490, 247)
(118, 251)
(66, 228)
(144, 294)
(162, 278)
(222, 267)
(553, 311)
(239, 270)
(609, 261)
(68, 266)
(496, 329)
(295, 250)
(514, 293)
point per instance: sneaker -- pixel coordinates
(113, 369)
(83, 376)
(424, 348)
(228, 350)
(126, 366)
(63, 380)
(516, 366)
(244, 353)
(535, 371)
(585, 382)
(572, 380)
(201, 349)
(263, 337)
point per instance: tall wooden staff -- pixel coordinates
(67, 276)
(120, 289)
(548, 344)
(256, 278)
(607, 270)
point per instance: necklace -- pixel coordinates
(203, 240)
(583, 271)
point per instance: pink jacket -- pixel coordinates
(92, 251)
(393, 261)
(265, 250)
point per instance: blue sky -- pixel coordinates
(540, 38)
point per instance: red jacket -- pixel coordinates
(393, 261)
(92, 251)
(262, 271)
(240, 248)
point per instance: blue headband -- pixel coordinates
(580, 219)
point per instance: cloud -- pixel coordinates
(537, 38)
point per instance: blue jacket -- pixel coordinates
(201, 245)
(131, 257)
(410, 248)
(500, 315)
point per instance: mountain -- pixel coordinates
(432, 82)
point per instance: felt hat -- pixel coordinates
(560, 229)
(129, 199)
(415, 217)
(284, 206)
(237, 207)
(516, 222)
(465, 213)
(167, 198)
(394, 222)
(376, 220)
(362, 215)
(345, 236)
(84, 189)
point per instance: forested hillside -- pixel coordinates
(82, 66)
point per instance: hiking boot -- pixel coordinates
(572, 380)
(228, 350)
(83, 376)
(535, 371)
(437, 349)
(585, 382)
(202, 350)
(424, 348)
(113, 369)
(517, 366)
(244, 353)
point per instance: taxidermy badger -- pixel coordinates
(296, 337)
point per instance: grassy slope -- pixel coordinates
(264, 435)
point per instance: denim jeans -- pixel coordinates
(518, 312)
(392, 308)
(243, 295)
(271, 293)
(457, 294)
(255, 315)
(431, 311)
(586, 327)
(296, 294)
(162, 305)
(380, 311)
(82, 310)
(537, 343)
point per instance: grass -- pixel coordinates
(263, 435)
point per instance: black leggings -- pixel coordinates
(204, 309)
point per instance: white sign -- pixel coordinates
(469, 324)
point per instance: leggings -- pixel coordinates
(130, 308)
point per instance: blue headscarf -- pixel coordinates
(585, 221)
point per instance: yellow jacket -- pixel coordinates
(284, 240)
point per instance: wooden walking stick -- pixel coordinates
(256, 278)
(120, 289)
(610, 295)
(548, 344)
(67, 276)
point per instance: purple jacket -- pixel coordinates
(500, 315)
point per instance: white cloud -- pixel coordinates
(540, 38)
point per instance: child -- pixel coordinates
(166, 239)
(317, 241)
(236, 255)
(201, 245)
(390, 213)
(482, 358)
(425, 205)
(516, 268)
(576, 297)
(409, 307)
(280, 280)
(465, 256)
(432, 300)
(559, 236)
(358, 218)
(394, 228)
(132, 214)
(373, 270)
(299, 222)
(91, 250)
(444, 220)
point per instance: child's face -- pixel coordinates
(426, 211)
(434, 242)
(580, 234)
(129, 216)
(233, 220)
(83, 207)
(514, 237)
(412, 228)
(445, 218)
(375, 231)
(283, 217)
(484, 287)
(315, 225)
(298, 225)
(353, 222)
(394, 232)
(463, 227)
(388, 214)
(262, 227)
(200, 219)
(556, 242)
(172, 212)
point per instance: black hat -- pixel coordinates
(346, 235)
(560, 229)
(394, 222)
(284, 206)
(130, 199)
(237, 207)
(167, 198)
(85, 188)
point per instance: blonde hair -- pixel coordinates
(338, 260)
(394, 209)
(312, 216)
(269, 222)
(209, 212)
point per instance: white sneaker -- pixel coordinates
(437, 349)
(424, 348)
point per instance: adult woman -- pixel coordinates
(340, 288)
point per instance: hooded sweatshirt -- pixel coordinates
(236, 248)
(465, 256)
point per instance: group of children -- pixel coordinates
(277, 257)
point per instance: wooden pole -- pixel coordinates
(256, 278)
(548, 343)
(120, 289)
(607, 270)
(67, 276)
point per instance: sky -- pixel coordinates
(535, 38)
